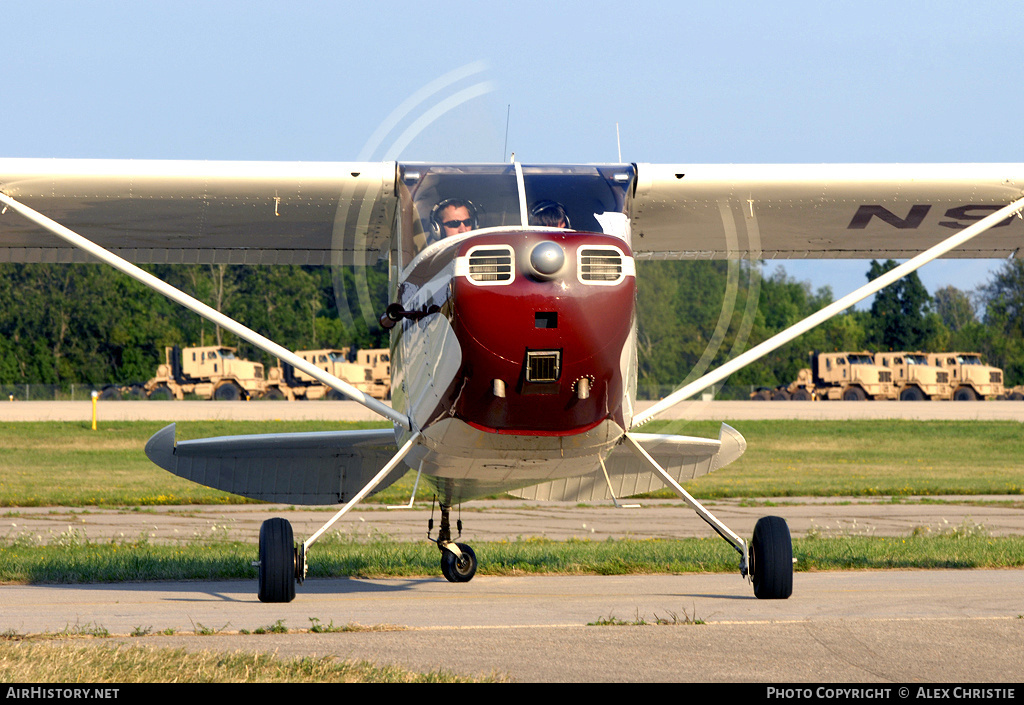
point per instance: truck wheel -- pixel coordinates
(110, 392)
(854, 394)
(161, 393)
(227, 392)
(802, 395)
(274, 394)
(965, 394)
(911, 394)
(1016, 396)
(780, 395)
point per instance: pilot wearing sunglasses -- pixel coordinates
(453, 216)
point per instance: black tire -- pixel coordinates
(274, 394)
(227, 392)
(458, 570)
(161, 393)
(780, 395)
(911, 394)
(762, 395)
(964, 394)
(277, 561)
(110, 392)
(772, 558)
(802, 395)
(854, 394)
(1016, 396)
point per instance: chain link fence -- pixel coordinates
(83, 392)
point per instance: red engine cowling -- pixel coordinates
(542, 319)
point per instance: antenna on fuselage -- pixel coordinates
(508, 114)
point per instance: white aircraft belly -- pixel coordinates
(477, 463)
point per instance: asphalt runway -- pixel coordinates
(887, 626)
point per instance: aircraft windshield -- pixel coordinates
(439, 201)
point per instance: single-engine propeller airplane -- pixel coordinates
(513, 308)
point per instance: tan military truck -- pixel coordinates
(379, 362)
(850, 376)
(286, 382)
(970, 378)
(915, 377)
(210, 372)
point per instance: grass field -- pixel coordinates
(98, 562)
(68, 464)
(43, 661)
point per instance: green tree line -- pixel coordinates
(86, 323)
(694, 316)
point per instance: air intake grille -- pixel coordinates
(491, 264)
(600, 264)
(543, 366)
(884, 376)
(995, 377)
(942, 377)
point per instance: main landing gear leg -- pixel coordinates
(767, 560)
(458, 561)
(281, 563)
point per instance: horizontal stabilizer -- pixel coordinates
(326, 467)
(683, 457)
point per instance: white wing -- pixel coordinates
(343, 212)
(209, 212)
(824, 211)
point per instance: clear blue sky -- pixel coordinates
(736, 82)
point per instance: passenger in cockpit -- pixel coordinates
(549, 214)
(452, 216)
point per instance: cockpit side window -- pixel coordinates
(477, 196)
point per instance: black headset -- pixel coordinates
(437, 228)
(554, 208)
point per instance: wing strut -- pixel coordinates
(721, 529)
(207, 312)
(391, 465)
(780, 339)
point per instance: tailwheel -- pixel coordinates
(772, 558)
(458, 568)
(277, 561)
